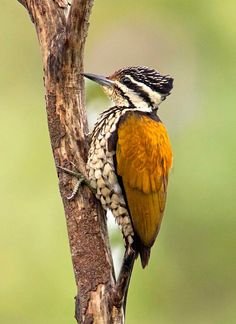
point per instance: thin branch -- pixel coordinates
(78, 19)
(120, 291)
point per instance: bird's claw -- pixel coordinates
(80, 180)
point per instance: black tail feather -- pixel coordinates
(144, 255)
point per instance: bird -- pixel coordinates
(130, 154)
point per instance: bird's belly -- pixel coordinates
(102, 176)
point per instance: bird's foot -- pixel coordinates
(81, 179)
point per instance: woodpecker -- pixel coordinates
(130, 154)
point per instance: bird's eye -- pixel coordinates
(125, 80)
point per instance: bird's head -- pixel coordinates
(138, 87)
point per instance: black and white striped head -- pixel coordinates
(138, 87)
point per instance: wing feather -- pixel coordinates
(144, 158)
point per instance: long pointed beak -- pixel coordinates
(99, 79)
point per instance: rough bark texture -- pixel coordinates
(62, 31)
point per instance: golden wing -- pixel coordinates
(144, 158)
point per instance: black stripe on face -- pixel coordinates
(143, 94)
(124, 96)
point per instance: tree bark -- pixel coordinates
(62, 31)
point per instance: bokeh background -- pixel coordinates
(192, 273)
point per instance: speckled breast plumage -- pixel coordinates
(101, 169)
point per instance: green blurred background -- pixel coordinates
(192, 273)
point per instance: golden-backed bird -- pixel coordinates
(130, 154)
